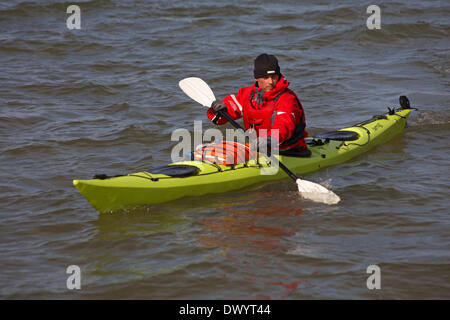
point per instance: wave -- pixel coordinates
(430, 118)
(42, 8)
(403, 31)
(30, 148)
(195, 11)
(83, 87)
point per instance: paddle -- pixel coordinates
(198, 90)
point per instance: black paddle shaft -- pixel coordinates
(230, 119)
(237, 126)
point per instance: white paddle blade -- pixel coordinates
(315, 192)
(198, 90)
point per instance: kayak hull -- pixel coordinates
(143, 188)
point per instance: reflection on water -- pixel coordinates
(248, 233)
(138, 222)
(242, 231)
(131, 231)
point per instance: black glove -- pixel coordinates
(217, 106)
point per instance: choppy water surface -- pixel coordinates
(105, 99)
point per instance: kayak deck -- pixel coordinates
(144, 187)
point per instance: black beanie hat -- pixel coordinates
(266, 64)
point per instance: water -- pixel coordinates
(105, 99)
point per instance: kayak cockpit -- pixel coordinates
(176, 170)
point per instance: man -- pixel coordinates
(268, 104)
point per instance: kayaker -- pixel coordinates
(267, 104)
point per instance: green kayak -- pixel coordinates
(196, 178)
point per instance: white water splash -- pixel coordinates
(429, 117)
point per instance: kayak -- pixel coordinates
(197, 178)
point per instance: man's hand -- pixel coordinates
(217, 106)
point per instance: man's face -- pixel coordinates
(268, 82)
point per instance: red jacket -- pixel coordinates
(279, 109)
